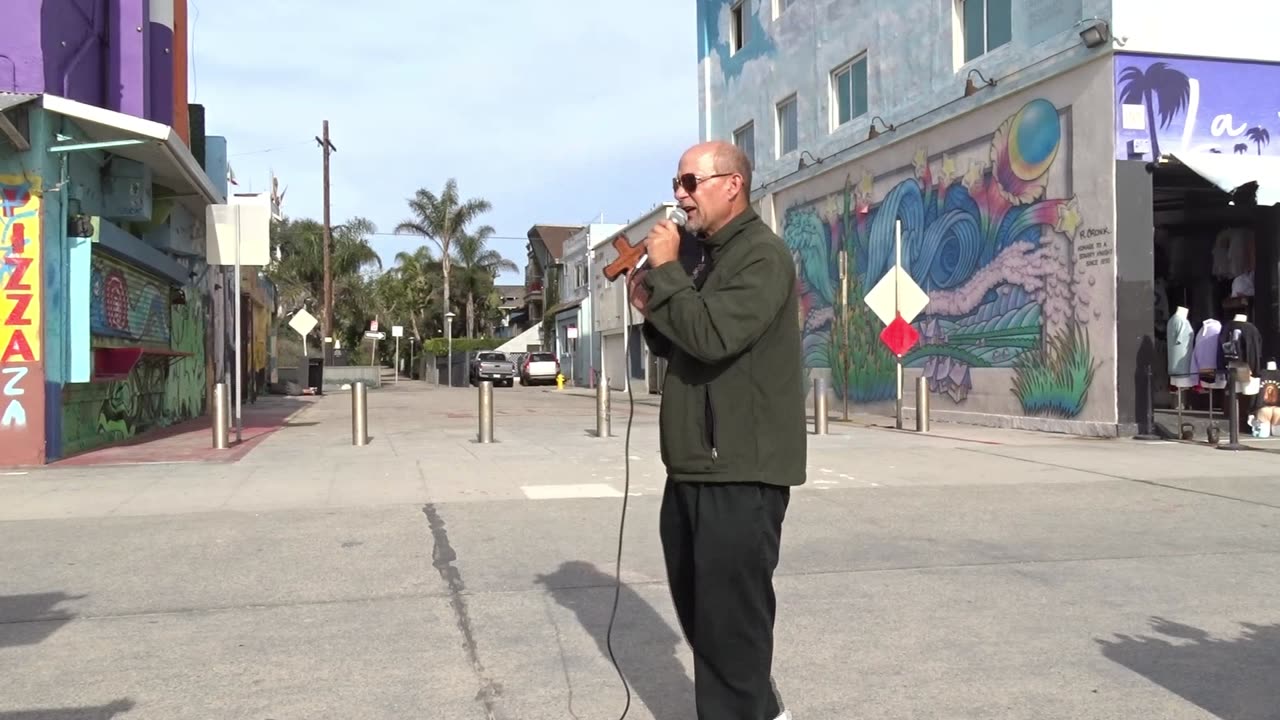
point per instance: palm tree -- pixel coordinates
(298, 271)
(443, 219)
(479, 268)
(1161, 85)
(417, 276)
(1258, 136)
(1241, 148)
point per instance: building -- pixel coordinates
(105, 176)
(1038, 156)
(511, 305)
(618, 339)
(573, 342)
(543, 268)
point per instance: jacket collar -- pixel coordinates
(732, 229)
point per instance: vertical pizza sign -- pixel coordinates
(21, 370)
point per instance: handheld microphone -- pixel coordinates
(633, 257)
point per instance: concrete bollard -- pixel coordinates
(221, 417)
(486, 412)
(359, 414)
(819, 406)
(602, 407)
(922, 404)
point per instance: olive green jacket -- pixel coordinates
(733, 396)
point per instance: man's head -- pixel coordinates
(712, 185)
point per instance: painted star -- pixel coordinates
(949, 169)
(1069, 218)
(921, 159)
(973, 178)
(867, 185)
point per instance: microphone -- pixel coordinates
(677, 216)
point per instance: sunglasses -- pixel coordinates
(689, 181)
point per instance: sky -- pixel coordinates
(556, 111)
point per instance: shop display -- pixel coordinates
(1179, 339)
(1266, 407)
(1204, 356)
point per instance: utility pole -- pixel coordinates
(327, 301)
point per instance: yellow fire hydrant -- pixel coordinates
(559, 381)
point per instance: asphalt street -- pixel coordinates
(966, 574)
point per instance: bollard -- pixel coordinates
(819, 407)
(486, 411)
(221, 417)
(922, 404)
(602, 407)
(359, 414)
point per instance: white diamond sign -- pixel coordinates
(303, 322)
(910, 301)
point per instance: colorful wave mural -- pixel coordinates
(994, 248)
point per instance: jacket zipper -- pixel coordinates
(711, 426)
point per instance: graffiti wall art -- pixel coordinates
(127, 303)
(21, 369)
(995, 235)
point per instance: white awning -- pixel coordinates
(161, 149)
(1231, 172)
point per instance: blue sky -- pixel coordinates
(554, 110)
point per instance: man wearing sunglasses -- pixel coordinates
(732, 424)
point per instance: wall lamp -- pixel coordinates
(874, 133)
(803, 164)
(971, 88)
(1096, 33)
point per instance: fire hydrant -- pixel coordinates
(559, 381)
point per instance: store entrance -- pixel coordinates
(1211, 253)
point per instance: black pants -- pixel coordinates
(721, 544)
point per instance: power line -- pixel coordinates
(410, 236)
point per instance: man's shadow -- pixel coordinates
(643, 643)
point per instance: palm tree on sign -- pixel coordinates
(444, 219)
(1241, 148)
(480, 267)
(1159, 85)
(1259, 136)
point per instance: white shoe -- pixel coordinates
(786, 715)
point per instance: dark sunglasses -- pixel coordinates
(689, 181)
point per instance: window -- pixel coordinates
(988, 24)
(739, 19)
(788, 118)
(780, 6)
(849, 92)
(745, 138)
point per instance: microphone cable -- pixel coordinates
(626, 490)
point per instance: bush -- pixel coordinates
(440, 346)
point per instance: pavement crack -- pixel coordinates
(443, 557)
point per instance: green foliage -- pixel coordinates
(1054, 381)
(440, 346)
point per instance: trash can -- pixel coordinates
(315, 374)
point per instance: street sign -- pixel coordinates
(899, 336)
(375, 335)
(910, 300)
(397, 331)
(302, 322)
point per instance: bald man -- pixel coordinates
(732, 425)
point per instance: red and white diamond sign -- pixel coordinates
(897, 295)
(899, 336)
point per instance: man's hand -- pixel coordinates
(638, 292)
(663, 243)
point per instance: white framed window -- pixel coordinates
(745, 138)
(788, 120)
(739, 25)
(985, 24)
(780, 6)
(849, 91)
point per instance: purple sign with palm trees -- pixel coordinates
(1173, 105)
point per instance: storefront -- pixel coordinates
(1194, 138)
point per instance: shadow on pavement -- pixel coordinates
(29, 619)
(97, 712)
(644, 644)
(1235, 679)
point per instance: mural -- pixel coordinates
(1186, 105)
(21, 368)
(127, 303)
(993, 234)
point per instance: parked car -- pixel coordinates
(539, 367)
(493, 366)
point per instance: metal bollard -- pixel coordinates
(486, 411)
(359, 414)
(221, 417)
(602, 407)
(819, 406)
(922, 404)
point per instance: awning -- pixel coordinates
(1230, 173)
(160, 148)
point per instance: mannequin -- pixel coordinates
(1240, 359)
(1179, 340)
(1204, 357)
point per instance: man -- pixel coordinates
(732, 425)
